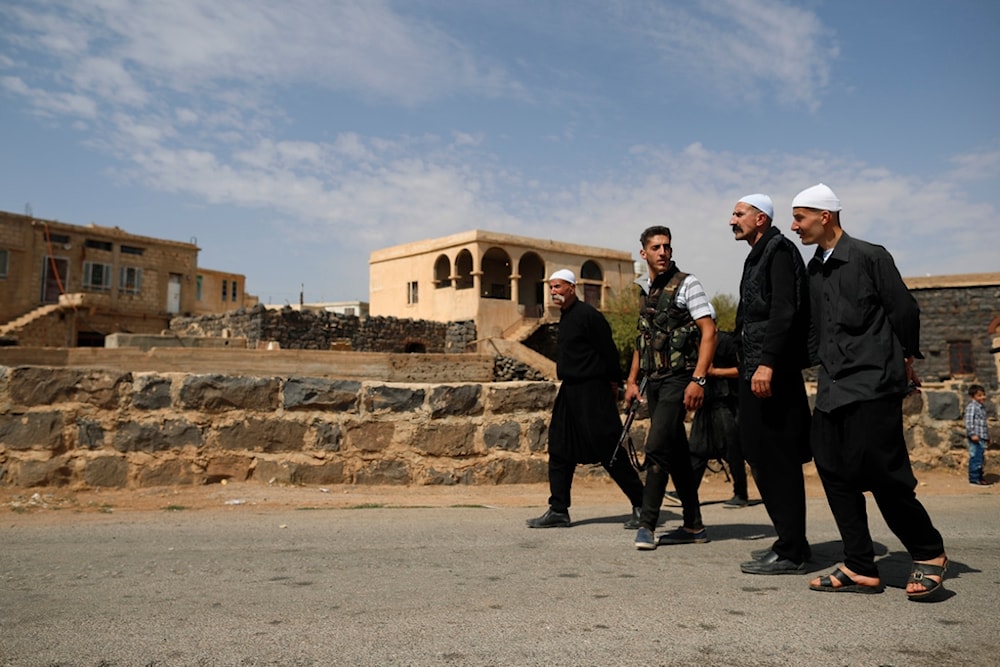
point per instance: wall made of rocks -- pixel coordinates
(321, 330)
(934, 426)
(101, 428)
(957, 314)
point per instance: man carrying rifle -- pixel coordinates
(585, 421)
(674, 350)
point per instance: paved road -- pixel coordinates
(471, 586)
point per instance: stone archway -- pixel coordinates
(463, 270)
(442, 272)
(531, 286)
(591, 287)
(495, 282)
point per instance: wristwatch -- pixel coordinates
(700, 381)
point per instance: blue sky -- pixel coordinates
(291, 139)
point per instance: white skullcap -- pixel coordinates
(564, 274)
(761, 203)
(819, 197)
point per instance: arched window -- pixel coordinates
(531, 286)
(593, 282)
(463, 270)
(495, 283)
(442, 272)
(591, 270)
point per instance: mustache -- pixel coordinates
(558, 298)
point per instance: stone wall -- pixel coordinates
(950, 314)
(321, 330)
(103, 428)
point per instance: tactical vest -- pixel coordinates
(668, 338)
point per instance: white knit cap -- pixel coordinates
(819, 197)
(761, 202)
(564, 274)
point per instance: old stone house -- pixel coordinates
(959, 327)
(498, 281)
(67, 285)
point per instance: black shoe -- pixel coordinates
(681, 536)
(551, 519)
(758, 554)
(633, 523)
(671, 498)
(772, 563)
(736, 502)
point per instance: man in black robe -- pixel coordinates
(773, 322)
(585, 421)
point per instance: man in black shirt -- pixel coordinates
(773, 322)
(585, 421)
(865, 329)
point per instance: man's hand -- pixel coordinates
(694, 396)
(631, 392)
(911, 376)
(760, 383)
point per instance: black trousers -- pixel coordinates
(735, 462)
(860, 447)
(775, 434)
(561, 480)
(667, 453)
(737, 469)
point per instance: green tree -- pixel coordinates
(621, 309)
(725, 311)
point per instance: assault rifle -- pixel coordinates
(625, 440)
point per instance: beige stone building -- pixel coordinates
(220, 291)
(65, 285)
(497, 280)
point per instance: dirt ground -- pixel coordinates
(587, 490)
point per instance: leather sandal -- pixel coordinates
(920, 575)
(845, 584)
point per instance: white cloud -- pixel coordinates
(107, 79)
(739, 48)
(52, 103)
(978, 166)
(190, 45)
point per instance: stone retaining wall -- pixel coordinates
(321, 330)
(103, 428)
(119, 429)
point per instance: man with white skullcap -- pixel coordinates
(772, 321)
(585, 423)
(865, 329)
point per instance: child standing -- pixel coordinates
(977, 433)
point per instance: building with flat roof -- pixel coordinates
(497, 280)
(959, 327)
(67, 285)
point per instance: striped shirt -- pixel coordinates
(690, 295)
(975, 421)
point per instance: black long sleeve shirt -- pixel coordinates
(864, 323)
(585, 347)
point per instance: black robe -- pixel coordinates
(585, 422)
